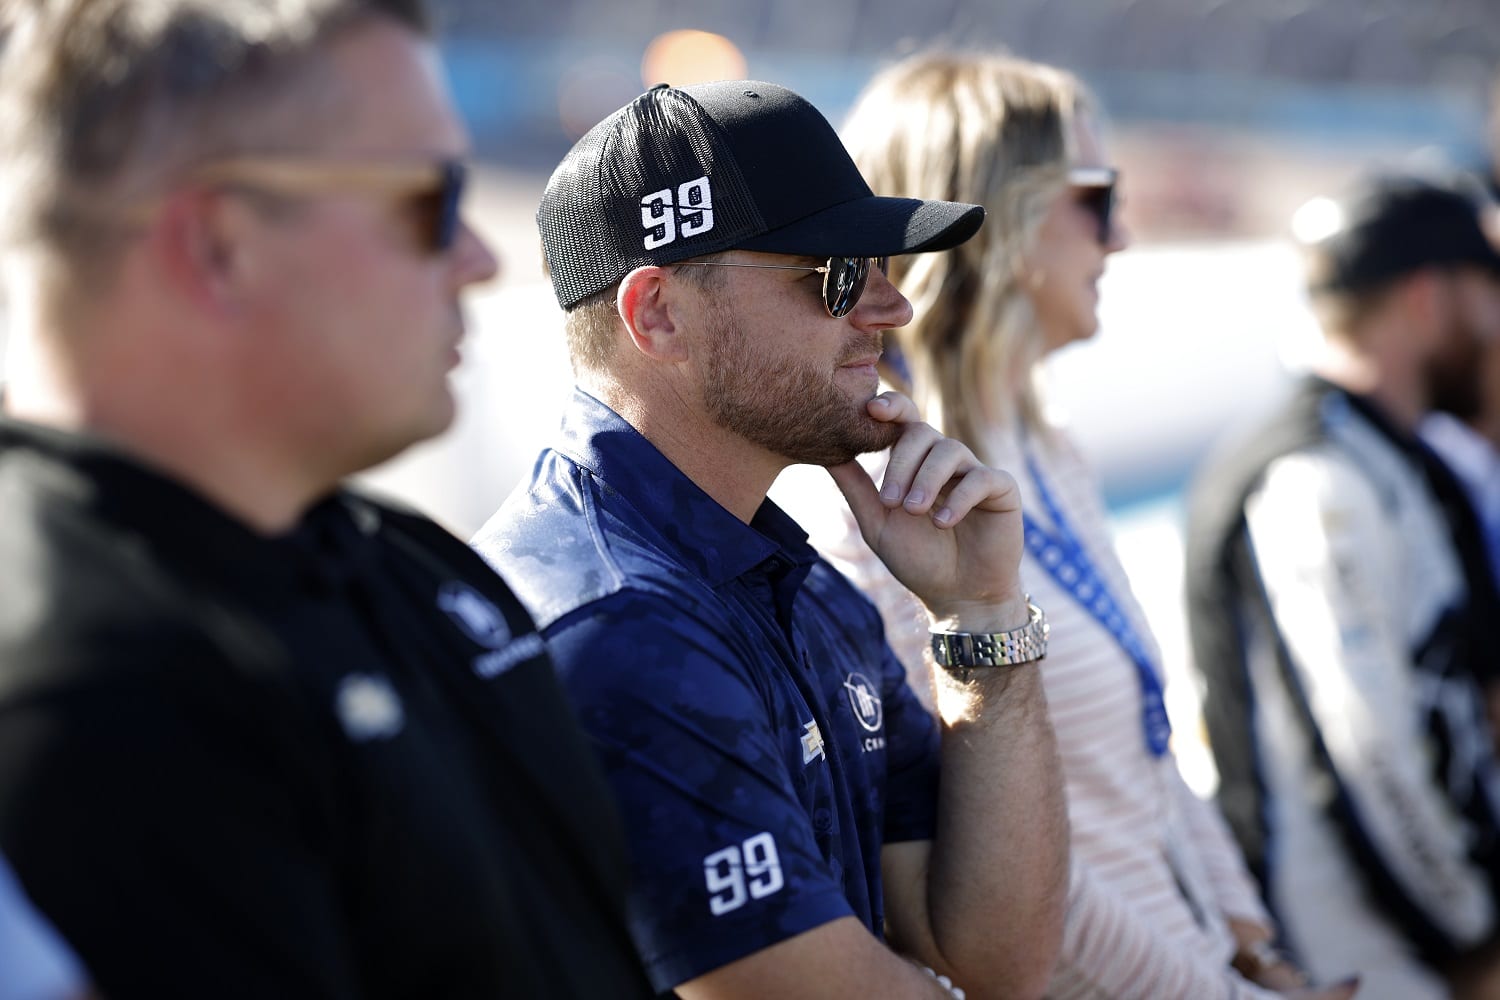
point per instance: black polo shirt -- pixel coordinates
(334, 763)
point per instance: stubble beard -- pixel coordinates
(1454, 378)
(793, 411)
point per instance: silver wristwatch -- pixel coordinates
(960, 652)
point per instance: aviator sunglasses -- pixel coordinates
(435, 189)
(843, 277)
(1094, 187)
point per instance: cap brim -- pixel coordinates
(874, 227)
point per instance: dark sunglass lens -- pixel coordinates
(1100, 200)
(884, 263)
(446, 207)
(844, 283)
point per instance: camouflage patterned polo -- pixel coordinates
(757, 730)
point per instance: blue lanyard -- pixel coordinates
(1061, 554)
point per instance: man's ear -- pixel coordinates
(649, 302)
(201, 240)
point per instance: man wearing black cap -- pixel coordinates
(1344, 620)
(722, 264)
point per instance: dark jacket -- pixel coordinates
(330, 764)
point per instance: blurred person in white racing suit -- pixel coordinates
(1344, 620)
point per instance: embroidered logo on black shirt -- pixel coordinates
(369, 708)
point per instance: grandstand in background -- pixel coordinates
(1228, 112)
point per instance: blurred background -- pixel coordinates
(1226, 116)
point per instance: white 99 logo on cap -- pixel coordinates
(690, 215)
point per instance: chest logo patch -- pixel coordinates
(864, 699)
(474, 613)
(812, 743)
(369, 708)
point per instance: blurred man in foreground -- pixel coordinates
(259, 736)
(723, 267)
(1343, 616)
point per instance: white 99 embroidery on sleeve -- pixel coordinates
(739, 873)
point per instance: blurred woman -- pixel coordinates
(1160, 902)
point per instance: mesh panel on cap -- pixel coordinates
(573, 231)
(591, 216)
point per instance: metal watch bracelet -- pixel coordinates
(961, 652)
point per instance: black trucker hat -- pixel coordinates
(737, 164)
(1393, 225)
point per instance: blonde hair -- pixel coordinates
(592, 326)
(993, 131)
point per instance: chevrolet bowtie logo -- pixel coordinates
(812, 743)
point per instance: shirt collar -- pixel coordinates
(324, 548)
(705, 535)
(1468, 451)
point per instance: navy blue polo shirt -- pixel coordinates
(755, 726)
